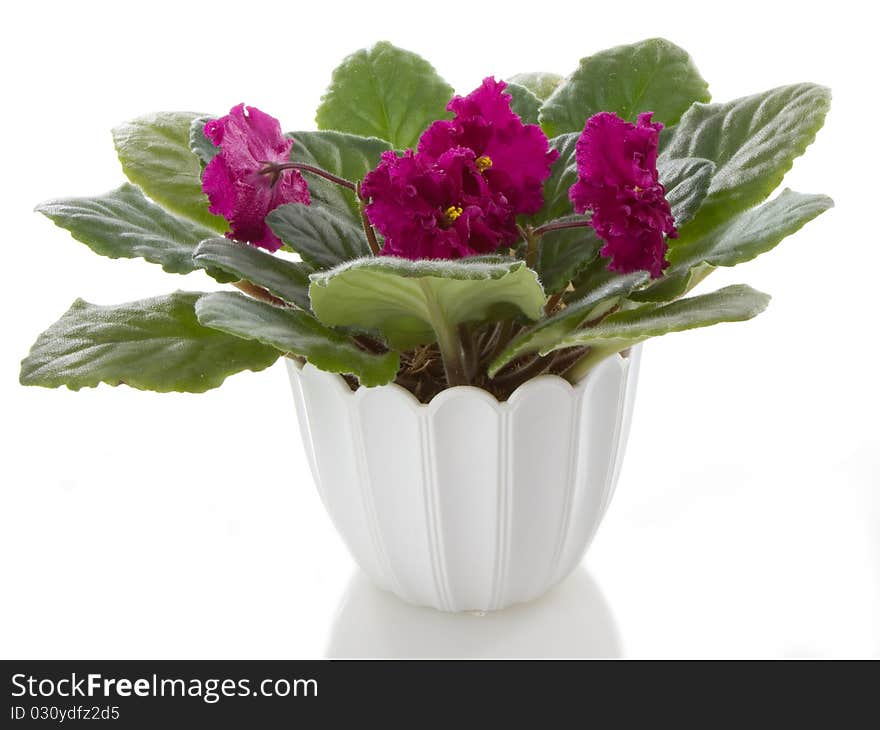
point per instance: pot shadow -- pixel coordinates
(572, 620)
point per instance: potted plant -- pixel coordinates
(460, 286)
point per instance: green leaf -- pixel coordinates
(740, 239)
(384, 92)
(524, 103)
(540, 83)
(322, 237)
(752, 142)
(292, 330)
(199, 144)
(564, 253)
(625, 329)
(563, 175)
(153, 344)
(750, 233)
(155, 154)
(596, 274)
(687, 181)
(651, 76)
(414, 302)
(124, 224)
(546, 334)
(628, 328)
(346, 155)
(670, 286)
(288, 280)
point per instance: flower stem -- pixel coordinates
(365, 222)
(273, 168)
(531, 246)
(559, 226)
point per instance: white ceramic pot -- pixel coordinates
(467, 504)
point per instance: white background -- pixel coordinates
(747, 518)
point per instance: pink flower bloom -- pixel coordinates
(618, 182)
(459, 195)
(236, 188)
(436, 210)
(514, 157)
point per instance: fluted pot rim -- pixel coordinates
(455, 391)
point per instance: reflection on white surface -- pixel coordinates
(572, 620)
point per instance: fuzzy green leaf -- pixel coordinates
(524, 103)
(540, 83)
(153, 344)
(687, 181)
(199, 144)
(288, 280)
(750, 233)
(543, 336)
(563, 175)
(625, 329)
(323, 238)
(124, 224)
(564, 253)
(409, 302)
(653, 75)
(752, 141)
(384, 92)
(292, 330)
(155, 154)
(740, 239)
(347, 155)
(670, 286)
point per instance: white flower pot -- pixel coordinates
(467, 504)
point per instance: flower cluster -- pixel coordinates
(236, 182)
(618, 182)
(460, 192)
(439, 241)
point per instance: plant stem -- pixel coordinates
(531, 246)
(552, 303)
(560, 226)
(504, 336)
(562, 360)
(447, 339)
(531, 369)
(470, 358)
(274, 168)
(490, 341)
(593, 357)
(257, 292)
(365, 222)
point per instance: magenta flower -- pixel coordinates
(460, 193)
(234, 181)
(436, 210)
(618, 182)
(514, 157)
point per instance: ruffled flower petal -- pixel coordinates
(440, 210)
(459, 195)
(618, 182)
(515, 157)
(236, 188)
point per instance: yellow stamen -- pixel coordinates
(453, 212)
(483, 163)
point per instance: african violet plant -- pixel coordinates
(534, 226)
